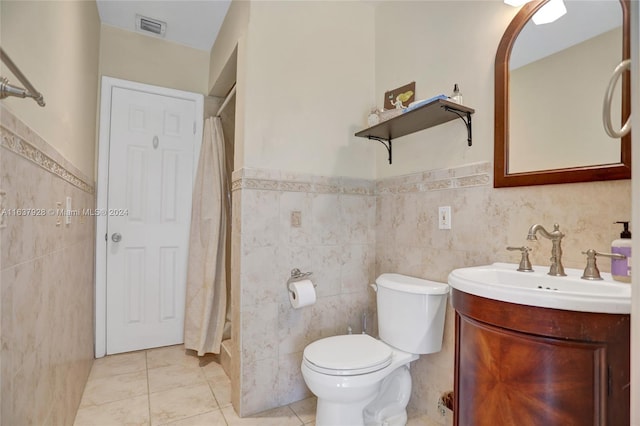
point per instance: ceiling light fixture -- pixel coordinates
(550, 12)
(516, 3)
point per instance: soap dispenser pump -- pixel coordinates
(621, 268)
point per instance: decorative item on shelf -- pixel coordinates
(417, 104)
(403, 97)
(400, 97)
(373, 117)
(456, 96)
(389, 114)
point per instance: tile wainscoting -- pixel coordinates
(284, 221)
(352, 230)
(485, 221)
(46, 284)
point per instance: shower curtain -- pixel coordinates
(206, 301)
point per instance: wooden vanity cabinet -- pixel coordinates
(524, 365)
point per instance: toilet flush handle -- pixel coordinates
(374, 287)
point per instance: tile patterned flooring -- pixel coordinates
(166, 386)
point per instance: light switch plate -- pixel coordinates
(58, 212)
(444, 217)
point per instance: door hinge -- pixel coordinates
(105, 237)
(194, 127)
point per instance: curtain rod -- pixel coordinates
(7, 89)
(226, 100)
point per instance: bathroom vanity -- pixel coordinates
(528, 365)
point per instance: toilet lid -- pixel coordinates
(347, 355)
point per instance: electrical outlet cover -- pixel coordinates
(444, 217)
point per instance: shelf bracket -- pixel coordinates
(467, 122)
(385, 142)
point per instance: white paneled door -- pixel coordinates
(152, 141)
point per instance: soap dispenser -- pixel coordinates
(621, 268)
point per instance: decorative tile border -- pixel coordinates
(466, 176)
(476, 180)
(309, 187)
(18, 145)
(471, 175)
(273, 180)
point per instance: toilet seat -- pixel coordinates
(347, 355)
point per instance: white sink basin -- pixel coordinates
(502, 281)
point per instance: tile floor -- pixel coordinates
(166, 386)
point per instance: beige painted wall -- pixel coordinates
(55, 44)
(308, 87)
(556, 107)
(437, 44)
(233, 28)
(150, 60)
(301, 98)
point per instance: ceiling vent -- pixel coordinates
(149, 25)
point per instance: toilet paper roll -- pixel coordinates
(302, 293)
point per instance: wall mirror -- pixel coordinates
(550, 82)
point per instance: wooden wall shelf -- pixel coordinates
(428, 115)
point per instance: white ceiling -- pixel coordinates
(194, 23)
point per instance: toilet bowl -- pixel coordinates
(389, 406)
(345, 373)
(360, 380)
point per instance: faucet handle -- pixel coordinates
(525, 263)
(591, 271)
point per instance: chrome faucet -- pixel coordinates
(556, 249)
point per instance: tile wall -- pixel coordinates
(334, 239)
(46, 285)
(353, 230)
(485, 220)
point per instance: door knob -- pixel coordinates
(116, 237)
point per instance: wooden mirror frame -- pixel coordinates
(501, 176)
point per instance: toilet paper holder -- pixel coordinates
(296, 275)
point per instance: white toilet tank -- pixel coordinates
(411, 312)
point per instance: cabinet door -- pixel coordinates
(508, 378)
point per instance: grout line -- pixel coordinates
(214, 395)
(146, 369)
(210, 385)
(295, 414)
(225, 417)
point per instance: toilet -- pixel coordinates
(360, 380)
